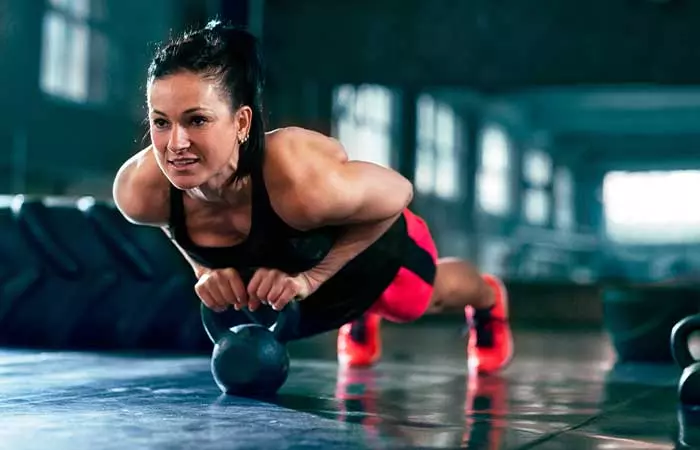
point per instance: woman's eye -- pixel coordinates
(198, 121)
(160, 123)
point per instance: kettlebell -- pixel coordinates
(689, 383)
(249, 359)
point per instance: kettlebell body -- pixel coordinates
(689, 383)
(248, 360)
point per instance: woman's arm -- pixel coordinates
(141, 193)
(313, 184)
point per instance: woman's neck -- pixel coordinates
(233, 193)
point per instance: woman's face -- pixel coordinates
(194, 133)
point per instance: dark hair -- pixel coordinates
(231, 56)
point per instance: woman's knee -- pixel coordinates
(458, 283)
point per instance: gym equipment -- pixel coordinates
(639, 319)
(249, 359)
(688, 427)
(689, 383)
(74, 274)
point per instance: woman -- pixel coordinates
(268, 218)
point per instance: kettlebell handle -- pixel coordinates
(679, 340)
(284, 328)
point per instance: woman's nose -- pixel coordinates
(179, 140)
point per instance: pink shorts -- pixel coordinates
(409, 294)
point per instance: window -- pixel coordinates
(563, 199)
(537, 172)
(437, 161)
(652, 207)
(493, 177)
(363, 122)
(74, 53)
(537, 167)
(536, 206)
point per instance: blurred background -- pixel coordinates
(548, 141)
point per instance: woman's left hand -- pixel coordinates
(276, 288)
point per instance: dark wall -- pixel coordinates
(485, 44)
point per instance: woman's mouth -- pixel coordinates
(183, 163)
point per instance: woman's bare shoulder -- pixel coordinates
(299, 166)
(141, 191)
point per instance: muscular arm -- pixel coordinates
(323, 188)
(141, 193)
(352, 242)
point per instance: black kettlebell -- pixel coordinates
(250, 359)
(689, 383)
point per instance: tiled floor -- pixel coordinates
(561, 392)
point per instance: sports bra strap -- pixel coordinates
(177, 209)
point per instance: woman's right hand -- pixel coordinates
(219, 288)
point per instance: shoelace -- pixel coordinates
(484, 332)
(484, 324)
(358, 331)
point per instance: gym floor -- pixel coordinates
(561, 392)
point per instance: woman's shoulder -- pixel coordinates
(299, 166)
(140, 190)
(296, 144)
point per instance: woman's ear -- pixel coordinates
(244, 119)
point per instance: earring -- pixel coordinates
(243, 140)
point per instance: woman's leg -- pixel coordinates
(484, 299)
(459, 284)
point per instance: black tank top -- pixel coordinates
(272, 243)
